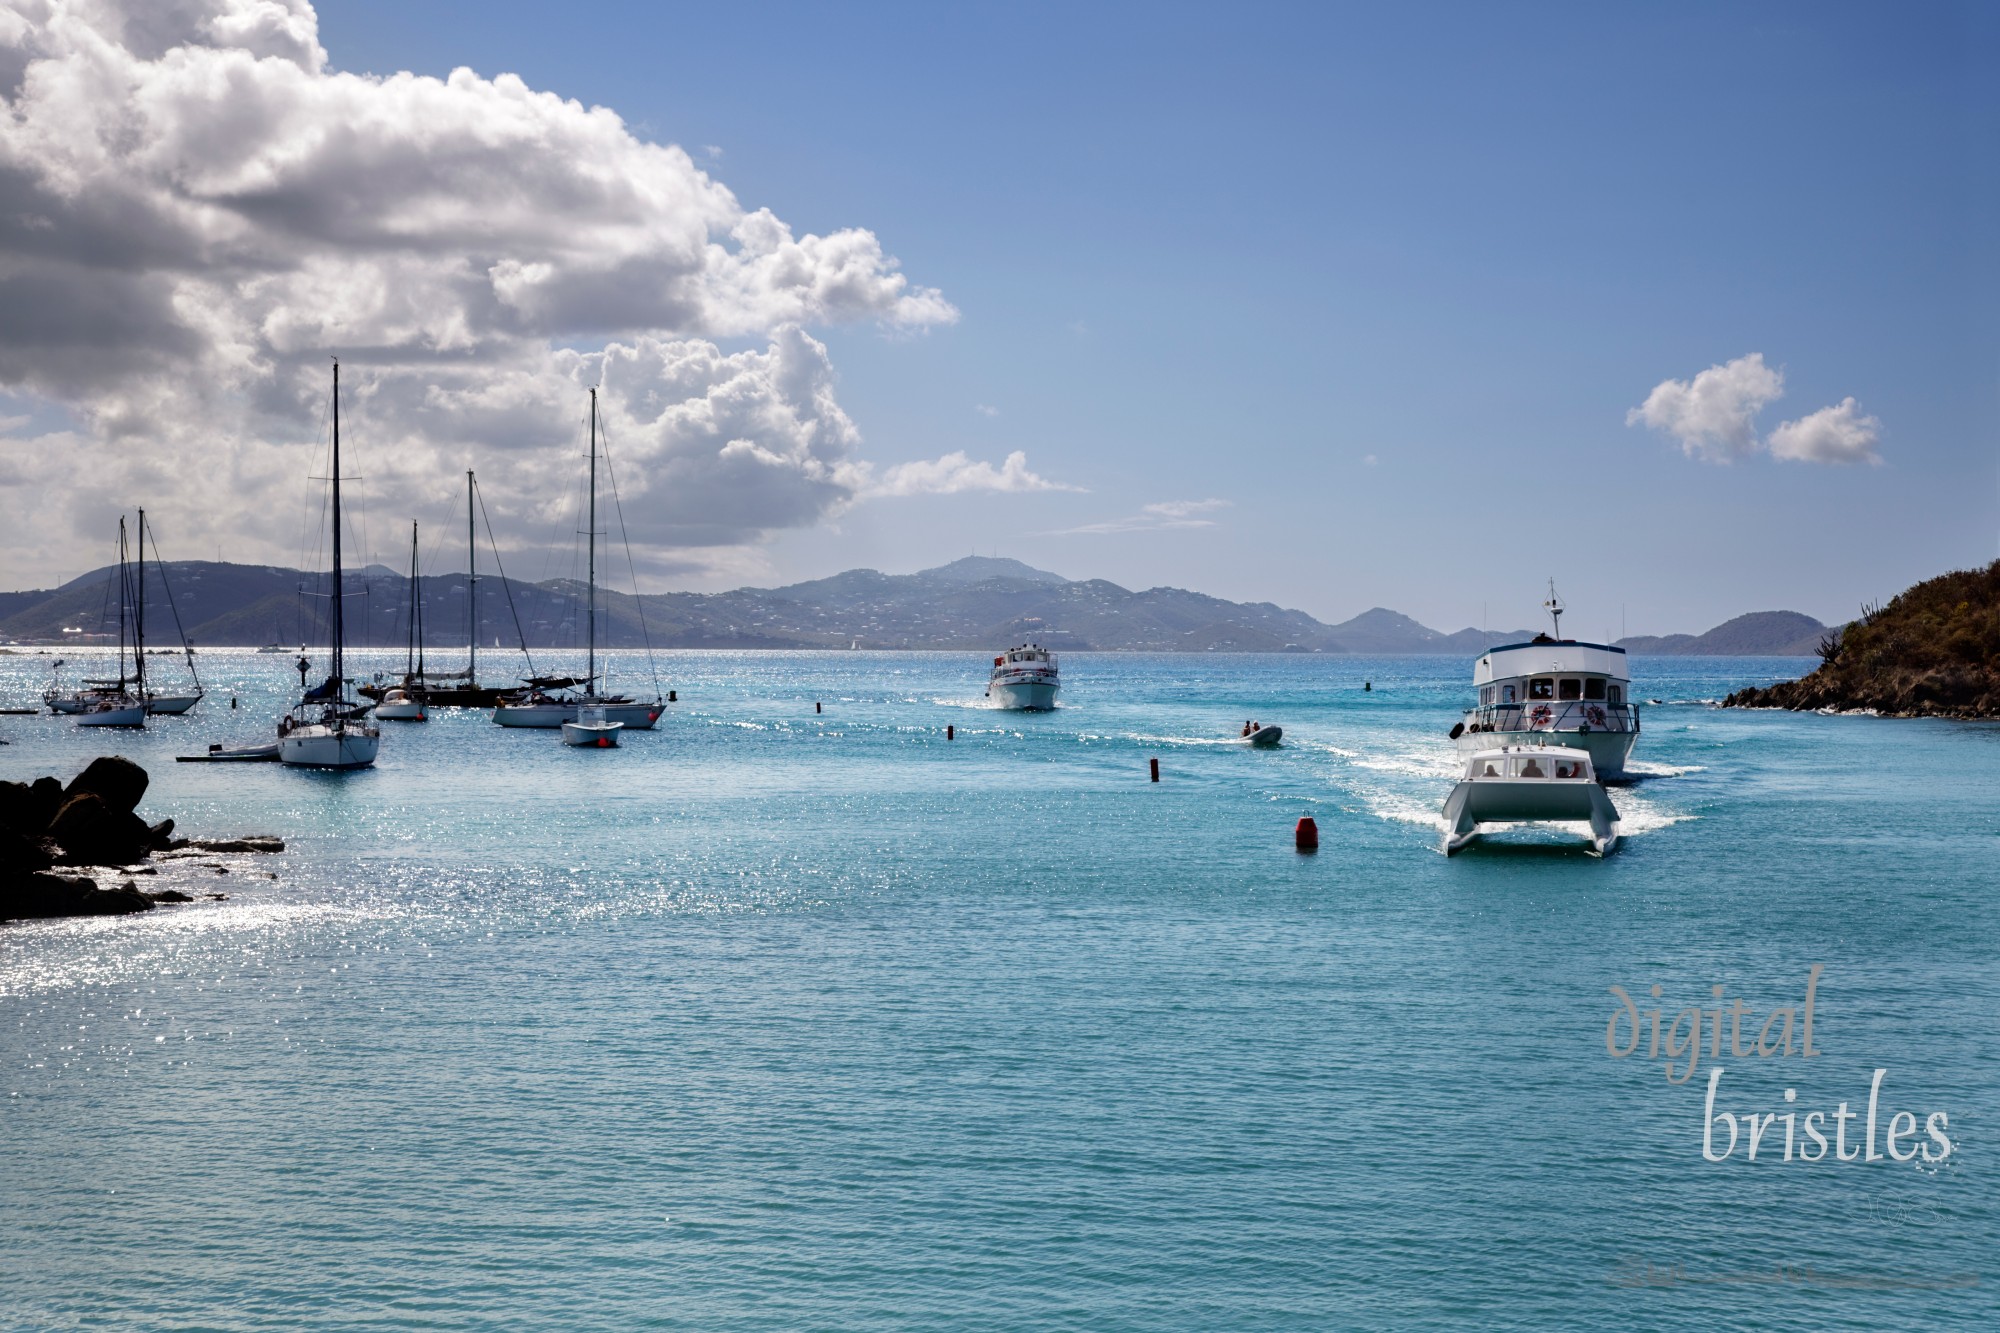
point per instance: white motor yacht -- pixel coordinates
(1024, 678)
(1556, 691)
(1528, 783)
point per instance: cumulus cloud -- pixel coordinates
(1153, 518)
(955, 472)
(197, 209)
(1714, 414)
(1838, 434)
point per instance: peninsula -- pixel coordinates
(1933, 651)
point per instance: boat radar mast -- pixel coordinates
(1554, 607)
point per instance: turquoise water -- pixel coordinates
(775, 1020)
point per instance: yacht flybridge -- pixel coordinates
(1556, 691)
(1024, 678)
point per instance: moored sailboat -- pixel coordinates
(159, 702)
(120, 702)
(326, 729)
(398, 704)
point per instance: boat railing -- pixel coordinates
(1563, 715)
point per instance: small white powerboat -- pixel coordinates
(114, 710)
(1535, 783)
(593, 727)
(399, 706)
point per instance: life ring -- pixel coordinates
(1595, 714)
(1541, 716)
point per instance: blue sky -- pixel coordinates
(1384, 281)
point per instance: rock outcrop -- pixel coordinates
(1933, 651)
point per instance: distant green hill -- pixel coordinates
(1933, 651)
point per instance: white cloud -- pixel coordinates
(1714, 414)
(1839, 434)
(1369, 460)
(1152, 518)
(986, 409)
(955, 472)
(197, 211)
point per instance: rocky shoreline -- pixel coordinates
(1933, 651)
(49, 830)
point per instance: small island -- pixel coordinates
(1933, 651)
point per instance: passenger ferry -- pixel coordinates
(1024, 678)
(1554, 691)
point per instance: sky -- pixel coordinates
(1690, 308)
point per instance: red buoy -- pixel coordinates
(603, 742)
(1156, 769)
(1307, 834)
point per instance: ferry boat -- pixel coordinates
(1024, 678)
(1554, 691)
(1532, 783)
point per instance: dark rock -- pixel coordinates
(118, 781)
(27, 807)
(44, 895)
(253, 843)
(91, 834)
(170, 896)
(160, 836)
(20, 854)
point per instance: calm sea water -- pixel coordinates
(776, 1020)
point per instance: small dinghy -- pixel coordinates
(398, 706)
(1262, 737)
(592, 728)
(1530, 782)
(248, 754)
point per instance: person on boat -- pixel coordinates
(1531, 769)
(1246, 728)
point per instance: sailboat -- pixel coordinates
(157, 703)
(399, 703)
(549, 702)
(326, 729)
(109, 703)
(455, 689)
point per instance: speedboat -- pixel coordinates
(398, 706)
(1532, 783)
(1024, 678)
(1556, 691)
(592, 728)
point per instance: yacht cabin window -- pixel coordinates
(1541, 688)
(1506, 694)
(1529, 768)
(1571, 689)
(1615, 694)
(1593, 688)
(1486, 694)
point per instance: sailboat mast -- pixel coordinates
(124, 596)
(590, 671)
(410, 647)
(471, 590)
(139, 611)
(339, 628)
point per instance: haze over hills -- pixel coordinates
(974, 604)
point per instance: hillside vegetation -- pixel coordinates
(1933, 651)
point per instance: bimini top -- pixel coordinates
(1545, 656)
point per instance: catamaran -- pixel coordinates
(1555, 691)
(327, 729)
(549, 702)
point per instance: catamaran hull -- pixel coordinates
(318, 746)
(1534, 800)
(1025, 696)
(171, 705)
(1608, 750)
(135, 716)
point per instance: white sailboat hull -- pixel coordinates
(633, 717)
(69, 707)
(171, 705)
(545, 716)
(133, 715)
(318, 745)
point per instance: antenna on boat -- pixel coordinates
(1554, 607)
